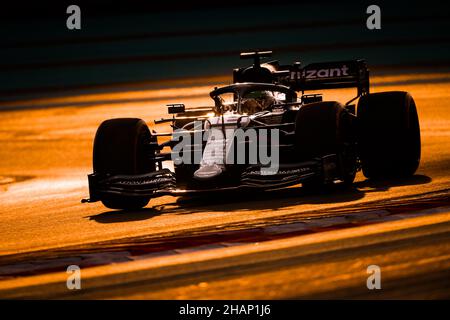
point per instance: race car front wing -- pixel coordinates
(163, 182)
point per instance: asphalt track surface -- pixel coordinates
(215, 247)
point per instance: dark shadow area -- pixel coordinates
(281, 198)
(262, 200)
(386, 184)
(275, 199)
(116, 216)
(233, 201)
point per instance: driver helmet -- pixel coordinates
(264, 99)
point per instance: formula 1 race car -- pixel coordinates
(263, 132)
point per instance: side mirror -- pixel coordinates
(243, 121)
(176, 108)
(218, 105)
(311, 98)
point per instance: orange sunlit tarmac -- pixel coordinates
(45, 157)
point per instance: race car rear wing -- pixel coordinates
(326, 75)
(315, 76)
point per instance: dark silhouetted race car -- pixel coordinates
(263, 132)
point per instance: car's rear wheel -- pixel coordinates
(120, 147)
(388, 134)
(325, 128)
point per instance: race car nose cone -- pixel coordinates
(208, 172)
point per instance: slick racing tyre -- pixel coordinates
(325, 128)
(388, 135)
(119, 148)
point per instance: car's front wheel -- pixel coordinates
(325, 128)
(120, 148)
